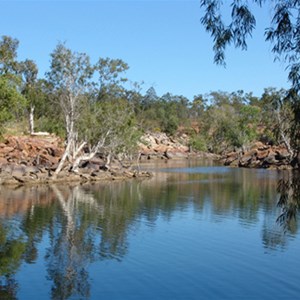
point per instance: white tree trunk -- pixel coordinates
(89, 156)
(31, 119)
(283, 136)
(64, 157)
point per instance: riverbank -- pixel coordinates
(33, 160)
(159, 145)
(260, 155)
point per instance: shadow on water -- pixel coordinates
(86, 223)
(289, 200)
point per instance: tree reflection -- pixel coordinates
(70, 247)
(86, 223)
(11, 251)
(289, 200)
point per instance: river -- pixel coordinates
(193, 231)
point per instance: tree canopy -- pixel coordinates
(99, 111)
(283, 34)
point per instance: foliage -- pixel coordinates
(91, 106)
(11, 102)
(198, 143)
(114, 123)
(229, 122)
(69, 77)
(11, 251)
(110, 82)
(8, 55)
(283, 34)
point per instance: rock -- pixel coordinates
(18, 171)
(254, 164)
(160, 149)
(259, 146)
(159, 144)
(129, 174)
(169, 155)
(230, 158)
(282, 154)
(270, 160)
(262, 154)
(47, 160)
(3, 161)
(7, 149)
(32, 170)
(245, 160)
(19, 179)
(7, 168)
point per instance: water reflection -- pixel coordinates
(86, 223)
(289, 201)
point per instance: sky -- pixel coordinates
(163, 42)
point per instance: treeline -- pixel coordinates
(96, 107)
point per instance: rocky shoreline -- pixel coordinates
(33, 159)
(161, 146)
(260, 156)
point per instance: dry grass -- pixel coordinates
(17, 128)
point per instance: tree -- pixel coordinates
(8, 55)
(110, 77)
(278, 116)
(29, 71)
(114, 134)
(69, 75)
(11, 101)
(283, 34)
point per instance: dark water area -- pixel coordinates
(193, 231)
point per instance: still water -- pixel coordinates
(193, 231)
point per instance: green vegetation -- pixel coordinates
(91, 106)
(283, 35)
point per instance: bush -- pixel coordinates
(198, 143)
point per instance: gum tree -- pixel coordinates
(11, 101)
(69, 75)
(283, 34)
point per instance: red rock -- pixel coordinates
(252, 152)
(48, 160)
(3, 161)
(259, 146)
(262, 154)
(7, 149)
(160, 149)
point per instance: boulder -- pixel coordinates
(282, 154)
(262, 154)
(259, 146)
(3, 161)
(245, 161)
(270, 160)
(7, 149)
(18, 171)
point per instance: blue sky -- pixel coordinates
(163, 42)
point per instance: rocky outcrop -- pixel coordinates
(260, 156)
(20, 175)
(159, 145)
(33, 159)
(31, 151)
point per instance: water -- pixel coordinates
(191, 232)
